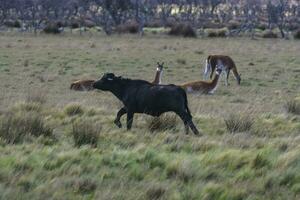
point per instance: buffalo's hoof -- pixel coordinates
(118, 123)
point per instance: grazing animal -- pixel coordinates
(87, 85)
(139, 96)
(225, 62)
(159, 72)
(203, 87)
(82, 85)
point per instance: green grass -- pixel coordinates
(88, 157)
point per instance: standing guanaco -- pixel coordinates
(225, 62)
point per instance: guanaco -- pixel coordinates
(225, 62)
(159, 73)
(82, 85)
(87, 84)
(203, 87)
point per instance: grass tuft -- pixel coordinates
(73, 109)
(155, 191)
(236, 123)
(162, 123)
(85, 132)
(292, 106)
(18, 127)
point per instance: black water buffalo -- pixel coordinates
(139, 96)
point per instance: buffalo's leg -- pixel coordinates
(193, 127)
(121, 112)
(184, 117)
(129, 120)
(187, 120)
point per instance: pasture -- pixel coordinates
(261, 161)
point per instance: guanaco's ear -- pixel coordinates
(158, 63)
(162, 63)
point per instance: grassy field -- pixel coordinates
(43, 122)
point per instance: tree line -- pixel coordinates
(243, 15)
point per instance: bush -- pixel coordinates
(73, 109)
(223, 32)
(85, 132)
(269, 34)
(17, 127)
(292, 106)
(52, 29)
(297, 34)
(130, 27)
(74, 24)
(185, 30)
(239, 123)
(12, 24)
(162, 123)
(262, 26)
(233, 25)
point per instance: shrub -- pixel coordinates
(130, 27)
(74, 24)
(162, 123)
(262, 26)
(269, 34)
(297, 34)
(17, 127)
(12, 24)
(233, 25)
(185, 30)
(73, 109)
(292, 106)
(85, 132)
(52, 29)
(223, 32)
(239, 123)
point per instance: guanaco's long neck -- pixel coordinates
(157, 79)
(214, 82)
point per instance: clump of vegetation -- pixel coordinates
(222, 32)
(155, 191)
(185, 30)
(52, 28)
(130, 27)
(269, 34)
(292, 106)
(84, 186)
(85, 132)
(236, 123)
(12, 24)
(297, 34)
(181, 61)
(162, 123)
(18, 127)
(73, 109)
(233, 25)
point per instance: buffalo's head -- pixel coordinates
(107, 82)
